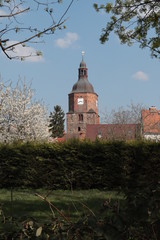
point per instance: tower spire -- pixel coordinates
(83, 53)
(82, 68)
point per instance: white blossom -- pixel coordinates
(20, 117)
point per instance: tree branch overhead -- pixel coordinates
(133, 21)
(11, 11)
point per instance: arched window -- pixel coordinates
(80, 117)
(79, 129)
(81, 72)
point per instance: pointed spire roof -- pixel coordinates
(82, 63)
(83, 85)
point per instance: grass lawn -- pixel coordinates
(73, 204)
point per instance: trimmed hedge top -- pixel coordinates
(79, 165)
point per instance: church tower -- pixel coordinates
(83, 105)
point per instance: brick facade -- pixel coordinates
(83, 106)
(90, 102)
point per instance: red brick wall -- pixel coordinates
(76, 127)
(90, 100)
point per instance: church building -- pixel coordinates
(83, 118)
(83, 105)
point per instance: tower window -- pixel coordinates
(81, 73)
(80, 117)
(79, 129)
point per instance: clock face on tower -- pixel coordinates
(80, 101)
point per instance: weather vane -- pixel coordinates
(83, 52)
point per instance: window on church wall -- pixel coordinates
(80, 117)
(79, 129)
(85, 104)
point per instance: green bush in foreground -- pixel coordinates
(130, 167)
(80, 165)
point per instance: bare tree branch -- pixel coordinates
(11, 24)
(14, 14)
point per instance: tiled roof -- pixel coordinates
(62, 139)
(57, 139)
(83, 85)
(111, 131)
(151, 121)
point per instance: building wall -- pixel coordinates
(113, 132)
(83, 105)
(90, 102)
(76, 123)
(151, 123)
(152, 137)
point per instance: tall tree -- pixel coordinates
(56, 126)
(15, 25)
(133, 21)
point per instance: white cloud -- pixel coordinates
(67, 41)
(2, 13)
(140, 76)
(29, 53)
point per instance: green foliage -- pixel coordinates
(74, 164)
(77, 164)
(143, 189)
(85, 225)
(132, 21)
(56, 126)
(111, 222)
(131, 167)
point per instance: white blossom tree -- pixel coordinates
(21, 118)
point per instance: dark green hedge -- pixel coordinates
(80, 165)
(133, 167)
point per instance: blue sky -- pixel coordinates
(118, 73)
